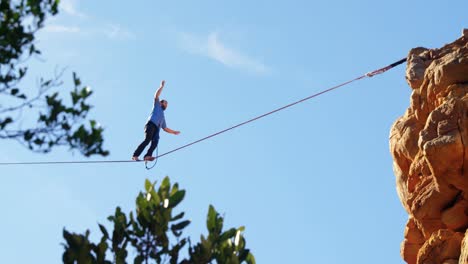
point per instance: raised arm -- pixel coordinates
(159, 91)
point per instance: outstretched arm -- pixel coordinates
(170, 131)
(159, 91)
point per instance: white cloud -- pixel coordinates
(61, 29)
(212, 47)
(70, 7)
(115, 31)
(112, 31)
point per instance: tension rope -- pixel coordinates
(369, 74)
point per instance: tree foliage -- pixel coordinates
(154, 234)
(59, 123)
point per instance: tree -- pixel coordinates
(58, 123)
(155, 234)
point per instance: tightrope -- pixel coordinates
(369, 74)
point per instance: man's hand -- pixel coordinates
(170, 131)
(158, 92)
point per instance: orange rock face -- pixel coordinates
(429, 144)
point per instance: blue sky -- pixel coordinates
(312, 184)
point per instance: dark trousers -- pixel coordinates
(151, 135)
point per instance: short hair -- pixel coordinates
(163, 104)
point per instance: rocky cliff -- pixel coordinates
(429, 144)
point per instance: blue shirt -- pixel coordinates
(157, 115)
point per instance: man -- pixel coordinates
(156, 121)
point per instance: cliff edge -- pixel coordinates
(429, 145)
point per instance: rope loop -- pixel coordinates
(155, 161)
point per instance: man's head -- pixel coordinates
(163, 104)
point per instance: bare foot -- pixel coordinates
(135, 158)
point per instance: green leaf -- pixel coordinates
(211, 220)
(165, 183)
(120, 256)
(141, 202)
(228, 234)
(5, 122)
(68, 237)
(38, 141)
(101, 251)
(206, 244)
(22, 71)
(155, 197)
(250, 259)
(46, 83)
(148, 185)
(164, 188)
(177, 217)
(243, 254)
(28, 135)
(180, 225)
(176, 198)
(138, 260)
(14, 91)
(76, 80)
(175, 188)
(66, 126)
(75, 97)
(104, 231)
